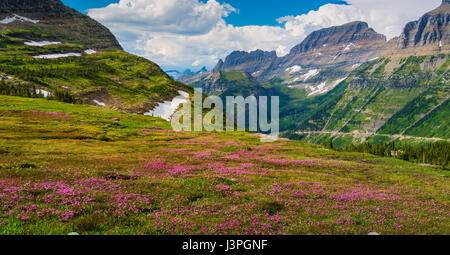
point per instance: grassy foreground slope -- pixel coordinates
(93, 170)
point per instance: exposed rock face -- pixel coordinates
(58, 21)
(218, 67)
(340, 47)
(432, 28)
(212, 84)
(338, 35)
(330, 55)
(247, 61)
(335, 46)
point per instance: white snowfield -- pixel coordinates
(256, 73)
(99, 103)
(324, 87)
(339, 81)
(90, 51)
(318, 90)
(310, 74)
(16, 17)
(167, 109)
(64, 55)
(349, 46)
(294, 69)
(41, 44)
(5, 77)
(43, 92)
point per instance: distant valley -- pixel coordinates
(349, 84)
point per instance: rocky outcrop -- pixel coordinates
(335, 36)
(333, 53)
(431, 28)
(219, 66)
(247, 61)
(58, 21)
(348, 44)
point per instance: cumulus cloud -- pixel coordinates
(173, 16)
(192, 33)
(206, 49)
(385, 16)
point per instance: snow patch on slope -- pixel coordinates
(41, 44)
(338, 81)
(294, 69)
(90, 51)
(43, 92)
(99, 103)
(319, 89)
(15, 17)
(5, 77)
(349, 46)
(324, 87)
(256, 73)
(65, 55)
(166, 109)
(310, 74)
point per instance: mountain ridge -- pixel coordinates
(50, 50)
(59, 21)
(359, 87)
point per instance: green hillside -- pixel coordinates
(58, 22)
(118, 79)
(409, 101)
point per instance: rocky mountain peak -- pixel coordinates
(333, 36)
(431, 28)
(60, 22)
(218, 67)
(247, 61)
(39, 8)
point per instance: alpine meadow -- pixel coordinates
(88, 146)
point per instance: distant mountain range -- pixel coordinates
(176, 74)
(344, 83)
(349, 84)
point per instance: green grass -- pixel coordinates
(66, 167)
(122, 80)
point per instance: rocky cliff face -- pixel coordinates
(62, 23)
(341, 47)
(348, 44)
(328, 56)
(432, 28)
(247, 61)
(336, 36)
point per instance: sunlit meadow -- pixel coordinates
(66, 168)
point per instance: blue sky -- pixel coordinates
(251, 12)
(266, 12)
(181, 34)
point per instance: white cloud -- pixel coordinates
(387, 17)
(174, 16)
(190, 33)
